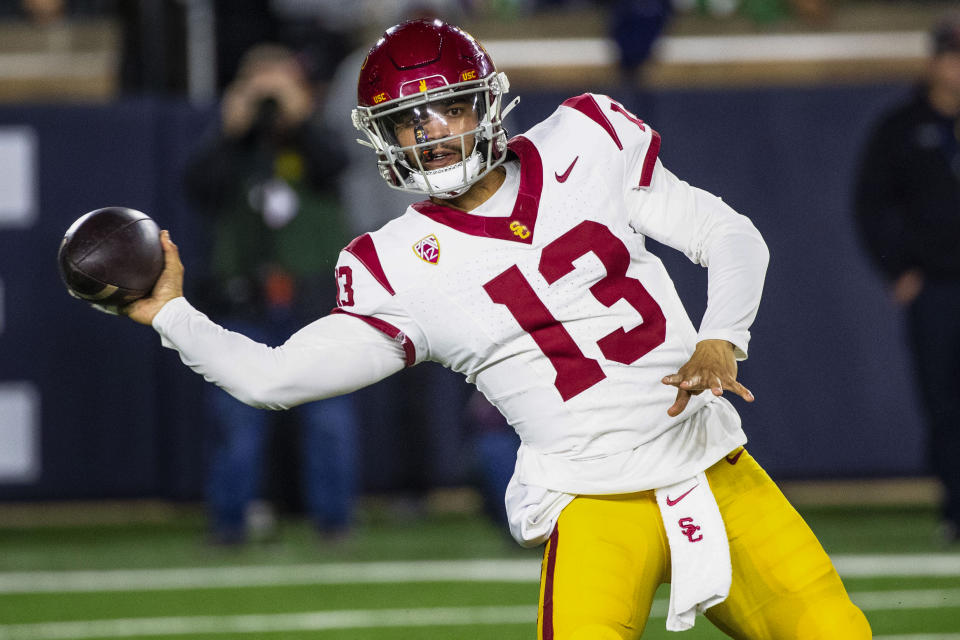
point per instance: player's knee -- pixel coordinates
(838, 620)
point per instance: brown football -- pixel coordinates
(111, 256)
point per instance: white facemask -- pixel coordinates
(448, 182)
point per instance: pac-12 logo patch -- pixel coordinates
(428, 249)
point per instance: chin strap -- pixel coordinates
(507, 109)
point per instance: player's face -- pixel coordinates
(436, 121)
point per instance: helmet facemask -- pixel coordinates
(415, 136)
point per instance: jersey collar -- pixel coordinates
(519, 225)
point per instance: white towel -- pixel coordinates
(701, 572)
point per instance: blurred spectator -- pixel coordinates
(43, 12)
(760, 11)
(768, 11)
(397, 415)
(155, 34)
(811, 11)
(153, 50)
(635, 26)
(496, 444)
(319, 30)
(419, 415)
(48, 12)
(908, 209)
(267, 182)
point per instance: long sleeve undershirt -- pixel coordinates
(332, 356)
(710, 233)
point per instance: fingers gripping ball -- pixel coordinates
(110, 257)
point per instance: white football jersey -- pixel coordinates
(547, 300)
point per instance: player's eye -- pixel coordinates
(405, 120)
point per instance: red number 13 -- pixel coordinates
(576, 372)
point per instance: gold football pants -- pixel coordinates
(608, 555)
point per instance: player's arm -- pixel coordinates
(336, 354)
(331, 356)
(712, 234)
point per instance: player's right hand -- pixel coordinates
(712, 366)
(169, 285)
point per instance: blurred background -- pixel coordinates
(766, 103)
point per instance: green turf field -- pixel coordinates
(443, 576)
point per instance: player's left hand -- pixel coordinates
(712, 366)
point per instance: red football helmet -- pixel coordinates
(437, 84)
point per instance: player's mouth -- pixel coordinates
(439, 158)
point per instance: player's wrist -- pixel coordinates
(716, 343)
(165, 311)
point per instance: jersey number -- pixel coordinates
(575, 372)
(345, 286)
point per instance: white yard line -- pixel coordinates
(289, 622)
(905, 564)
(849, 566)
(274, 575)
(383, 618)
(907, 599)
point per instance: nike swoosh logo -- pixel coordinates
(733, 459)
(562, 177)
(670, 502)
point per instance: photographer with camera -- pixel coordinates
(266, 184)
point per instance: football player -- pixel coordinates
(525, 270)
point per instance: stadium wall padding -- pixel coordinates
(120, 417)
